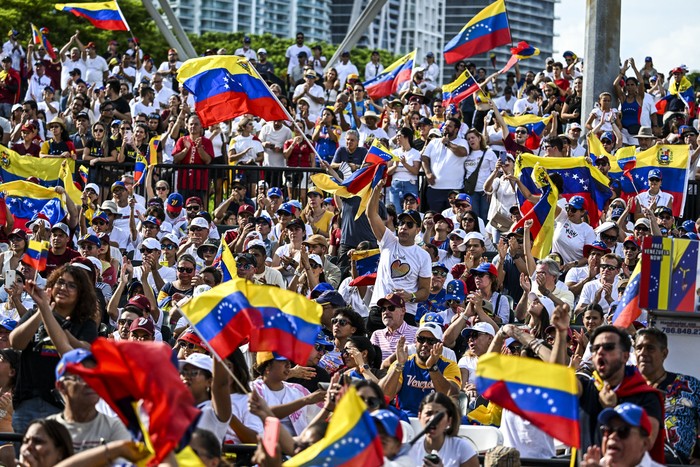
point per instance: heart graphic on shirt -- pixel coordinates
(399, 269)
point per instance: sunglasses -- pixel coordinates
(98, 130)
(622, 431)
(608, 347)
(185, 270)
(340, 321)
(608, 267)
(193, 208)
(520, 132)
(440, 273)
(372, 402)
(641, 229)
(122, 322)
(99, 223)
(388, 308)
(196, 229)
(608, 238)
(320, 348)
(187, 345)
(426, 340)
(161, 188)
(665, 217)
(169, 246)
(209, 250)
(146, 250)
(408, 224)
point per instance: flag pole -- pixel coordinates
(128, 28)
(211, 349)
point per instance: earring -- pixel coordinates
(447, 428)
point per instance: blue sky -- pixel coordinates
(668, 39)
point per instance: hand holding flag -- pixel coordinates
(522, 51)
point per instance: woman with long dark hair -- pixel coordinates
(66, 318)
(404, 172)
(100, 148)
(59, 144)
(479, 159)
(45, 444)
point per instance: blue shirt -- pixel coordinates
(416, 382)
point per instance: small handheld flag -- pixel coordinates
(39, 38)
(36, 255)
(522, 51)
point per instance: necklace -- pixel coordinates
(658, 380)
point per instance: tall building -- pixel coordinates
(530, 20)
(281, 18)
(401, 26)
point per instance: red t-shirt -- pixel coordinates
(193, 179)
(300, 156)
(53, 261)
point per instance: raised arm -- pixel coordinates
(372, 212)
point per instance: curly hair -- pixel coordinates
(86, 305)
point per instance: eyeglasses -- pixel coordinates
(190, 373)
(608, 267)
(440, 273)
(408, 224)
(185, 270)
(123, 322)
(469, 220)
(161, 188)
(608, 238)
(622, 431)
(426, 340)
(68, 285)
(474, 335)
(169, 246)
(641, 229)
(193, 208)
(340, 321)
(209, 250)
(320, 348)
(608, 347)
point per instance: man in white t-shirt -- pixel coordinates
(404, 267)
(506, 101)
(292, 53)
(577, 277)
(369, 128)
(443, 163)
(312, 92)
(528, 104)
(345, 68)
(245, 51)
(602, 291)
(168, 69)
(95, 66)
(273, 135)
(373, 67)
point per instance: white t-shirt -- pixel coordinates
(241, 143)
(314, 91)
(589, 290)
(661, 199)
(268, 134)
(162, 96)
(168, 80)
(487, 166)
(469, 362)
(503, 104)
(69, 65)
(372, 70)
(209, 421)
(128, 71)
(402, 174)
(530, 441)
(365, 132)
(569, 239)
(454, 452)
(239, 409)
(400, 267)
(292, 54)
(448, 168)
(523, 106)
(576, 275)
(249, 54)
(345, 70)
(606, 116)
(94, 70)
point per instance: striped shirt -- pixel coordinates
(388, 340)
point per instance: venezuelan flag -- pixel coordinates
(682, 90)
(487, 30)
(84, 172)
(522, 51)
(535, 127)
(542, 214)
(464, 86)
(351, 438)
(274, 320)
(140, 167)
(655, 280)
(684, 275)
(391, 79)
(39, 38)
(226, 261)
(580, 178)
(28, 201)
(153, 146)
(378, 154)
(628, 309)
(36, 255)
(366, 265)
(225, 87)
(103, 15)
(545, 394)
(672, 160)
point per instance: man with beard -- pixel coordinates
(681, 395)
(59, 252)
(404, 267)
(443, 163)
(427, 371)
(612, 384)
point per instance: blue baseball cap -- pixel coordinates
(629, 413)
(689, 226)
(296, 203)
(406, 195)
(432, 318)
(464, 197)
(321, 339)
(328, 200)
(100, 215)
(332, 297)
(90, 238)
(118, 184)
(487, 268)
(598, 245)
(691, 236)
(617, 213)
(576, 202)
(456, 290)
(440, 265)
(9, 324)
(286, 207)
(73, 356)
(319, 289)
(389, 422)
(174, 203)
(152, 220)
(412, 215)
(654, 173)
(274, 191)
(608, 135)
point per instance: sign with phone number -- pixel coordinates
(671, 326)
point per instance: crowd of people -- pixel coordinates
(454, 281)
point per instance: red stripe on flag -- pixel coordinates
(477, 46)
(283, 343)
(228, 105)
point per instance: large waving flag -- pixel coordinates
(350, 440)
(37, 254)
(455, 92)
(672, 160)
(366, 265)
(535, 127)
(362, 181)
(390, 80)
(274, 320)
(580, 178)
(128, 372)
(520, 52)
(487, 30)
(103, 15)
(682, 90)
(28, 201)
(545, 394)
(542, 214)
(225, 87)
(628, 309)
(39, 38)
